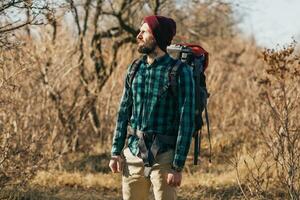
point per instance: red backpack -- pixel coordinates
(196, 57)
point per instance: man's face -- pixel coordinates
(145, 39)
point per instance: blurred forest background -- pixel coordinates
(62, 67)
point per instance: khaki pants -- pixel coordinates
(136, 187)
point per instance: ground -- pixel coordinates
(87, 177)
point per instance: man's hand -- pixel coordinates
(115, 164)
(174, 178)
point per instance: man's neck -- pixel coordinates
(157, 53)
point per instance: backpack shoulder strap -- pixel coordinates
(132, 70)
(174, 70)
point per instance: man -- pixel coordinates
(159, 125)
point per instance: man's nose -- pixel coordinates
(139, 36)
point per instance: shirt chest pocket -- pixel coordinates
(138, 84)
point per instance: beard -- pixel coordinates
(148, 47)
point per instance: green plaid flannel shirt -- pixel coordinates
(146, 107)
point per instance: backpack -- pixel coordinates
(196, 57)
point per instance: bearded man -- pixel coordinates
(157, 124)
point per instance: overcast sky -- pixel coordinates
(271, 22)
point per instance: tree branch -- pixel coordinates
(16, 27)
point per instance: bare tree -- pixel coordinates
(18, 14)
(121, 15)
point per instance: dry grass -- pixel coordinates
(56, 179)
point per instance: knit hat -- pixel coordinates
(163, 29)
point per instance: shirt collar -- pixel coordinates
(158, 61)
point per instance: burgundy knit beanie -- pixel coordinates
(163, 29)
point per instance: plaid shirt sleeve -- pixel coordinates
(123, 117)
(186, 105)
